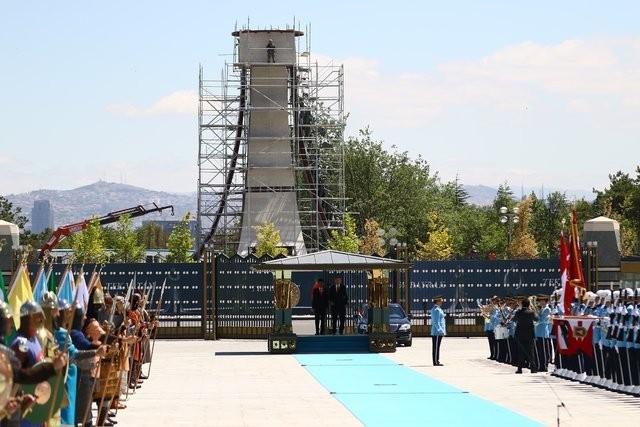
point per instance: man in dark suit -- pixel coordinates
(319, 303)
(338, 300)
(525, 336)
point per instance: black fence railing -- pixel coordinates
(234, 301)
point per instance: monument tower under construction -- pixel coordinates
(271, 146)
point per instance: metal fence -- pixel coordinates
(465, 283)
(225, 298)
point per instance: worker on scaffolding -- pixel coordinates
(271, 51)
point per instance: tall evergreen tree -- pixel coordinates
(180, 243)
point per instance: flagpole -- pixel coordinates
(155, 330)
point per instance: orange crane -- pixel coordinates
(65, 230)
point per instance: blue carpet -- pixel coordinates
(379, 392)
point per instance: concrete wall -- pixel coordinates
(253, 46)
(278, 208)
(606, 232)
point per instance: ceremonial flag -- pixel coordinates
(574, 334)
(20, 293)
(576, 275)
(567, 291)
(66, 288)
(41, 287)
(51, 281)
(3, 289)
(81, 293)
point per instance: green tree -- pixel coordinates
(268, 240)
(126, 246)
(438, 245)
(10, 214)
(347, 240)
(89, 245)
(621, 201)
(180, 243)
(472, 227)
(151, 235)
(546, 221)
(461, 194)
(390, 187)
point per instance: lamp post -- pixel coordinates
(509, 218)
(592, 265)
(387, 238)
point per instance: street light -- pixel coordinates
(387, 237)
(509, 218)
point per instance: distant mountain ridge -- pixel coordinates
(483, 195)
(101, 198)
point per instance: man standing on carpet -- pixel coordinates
(319, 303)
(338, 299)
(438, 329)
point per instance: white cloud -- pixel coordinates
(585, 72)
(179, 103)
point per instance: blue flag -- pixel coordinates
(41, 286)
(66, 288)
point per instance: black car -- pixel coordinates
(398, 322)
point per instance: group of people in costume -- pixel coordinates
(69, 360)
(596, 342)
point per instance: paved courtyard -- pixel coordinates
(237, 383)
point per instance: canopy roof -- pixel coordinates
(333, 260)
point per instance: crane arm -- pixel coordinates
(66, 230)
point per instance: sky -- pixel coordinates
(535, 94)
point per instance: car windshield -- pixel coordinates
(396, 312)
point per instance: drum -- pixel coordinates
(501, 332)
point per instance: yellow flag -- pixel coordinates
(20, 293)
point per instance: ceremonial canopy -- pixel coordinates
(333, 260)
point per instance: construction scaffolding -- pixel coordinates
(267, 131)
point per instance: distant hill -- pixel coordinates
(100, 198)
(482, 195)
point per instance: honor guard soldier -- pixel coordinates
(438, 329)
(543, 329)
